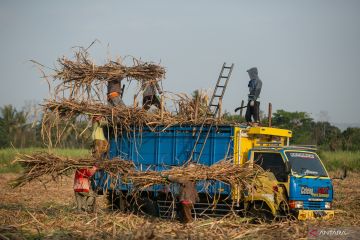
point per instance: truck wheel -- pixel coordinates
(149, 207)
(259, 212)
(116, 201)
(283, 212)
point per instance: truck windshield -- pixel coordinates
(304, 163)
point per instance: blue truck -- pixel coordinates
(295, 182)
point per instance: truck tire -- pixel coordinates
(116, 201)
(283, 212)
(259, 212)
(149, 207)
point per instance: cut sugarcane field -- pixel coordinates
(113, 152)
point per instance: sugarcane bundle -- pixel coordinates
(43, 164)
(82, 78)
(225, 171)
(83, 70)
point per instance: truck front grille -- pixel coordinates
(312, 205)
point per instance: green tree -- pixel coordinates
(327, 136)
(299, 122)
(3, 136)
(14, 128)
(351, 139)
(8, 116)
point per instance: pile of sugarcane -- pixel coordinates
(194, 108)
(82, 70)
(224, 171)
(123, 116)
(80, 90)
(43, 164)
(81, 77)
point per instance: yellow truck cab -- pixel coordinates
(296, 180)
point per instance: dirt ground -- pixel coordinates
(47, 211)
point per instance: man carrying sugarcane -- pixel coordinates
(100, 145)
(149, 94)
(85, 197)
(188, 196)
(253, 105)
(115, 92)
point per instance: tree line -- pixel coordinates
(20, 129)
(307, 131)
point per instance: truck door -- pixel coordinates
(273, 162)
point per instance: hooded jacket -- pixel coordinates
(150, 88)
(254, 85)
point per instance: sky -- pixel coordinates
(307, 51)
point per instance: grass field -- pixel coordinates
(340, 160)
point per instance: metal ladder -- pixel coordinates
(215, 101)
(219, 89)
(200, 143)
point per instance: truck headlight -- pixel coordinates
(296, 204)
(327, 205)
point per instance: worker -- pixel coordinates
(85, 197)
(188, 196)
(253, 105)
(149, 94)
(115, 92)
(100, 145)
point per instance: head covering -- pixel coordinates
(253, 73)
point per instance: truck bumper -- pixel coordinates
(315, 214)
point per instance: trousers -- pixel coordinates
(85, 201)
(253, 111)
(185, 212)
(116, 101)
(99, 148)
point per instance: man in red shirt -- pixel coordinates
(85, 198)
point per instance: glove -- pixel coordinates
(252, 103)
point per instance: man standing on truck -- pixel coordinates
(253, 105)
(188, 196)
(114, 93)
(149, 94)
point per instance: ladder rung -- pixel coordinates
(224, 76)
(217, 95)
(214, 105)
(220, 86)
(227, 67)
